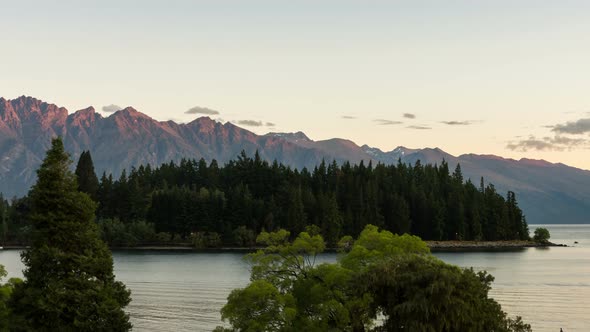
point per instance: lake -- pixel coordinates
(183, 291)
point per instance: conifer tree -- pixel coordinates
(87, 180)
(69, 283)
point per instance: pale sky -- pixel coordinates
(510, 78)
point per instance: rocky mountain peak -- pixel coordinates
(204, 122)
(298, 137)
(84, 117)
(33, 113)
(130, 112)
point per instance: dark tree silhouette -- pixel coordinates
(87, 180)
(69, 283)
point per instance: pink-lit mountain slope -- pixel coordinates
(548, 193)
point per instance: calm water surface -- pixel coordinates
(183, 291)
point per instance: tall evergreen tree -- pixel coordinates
(87, 179)
(69, 283)
(3, 219)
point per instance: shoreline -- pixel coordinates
(433, 245)
(489, 245)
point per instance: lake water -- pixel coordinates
(183, 291)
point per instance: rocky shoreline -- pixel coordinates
(510, 244)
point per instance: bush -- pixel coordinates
(541, 235)
(206, 240)
(119, 234)
(244, 237)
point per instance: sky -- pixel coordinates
(509, 78)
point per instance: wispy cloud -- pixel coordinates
(409, 116)
(419, 127)
(250, 123)
(581, 126)
(530, 143)
(270, 124)
(385, 122)
(568, 141)
(111, 108)
(556, 143)
(348, 117)
(457, 123)
(201, 110)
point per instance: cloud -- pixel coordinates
(419, 127)
(348, 117)
(578, 127)
(409, 116)
(270, 124)
(556, 143)
(250, 123)
(531, 143)
(111, 108)
(457, 123)
(385, 122)
(570, 142)
(201, 110)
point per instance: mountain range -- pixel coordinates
(547, 192)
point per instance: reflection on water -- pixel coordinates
(183, 291)
(179, 291)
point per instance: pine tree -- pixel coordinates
(87, 180)
(69, 283)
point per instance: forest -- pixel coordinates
(208, 205)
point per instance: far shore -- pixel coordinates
(474, 245)
(434, 245)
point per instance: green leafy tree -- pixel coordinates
(86, 176)
(381, 276)
(289, 292)
(422, 293)
(541, 235)
(5, 292)
(69, 283)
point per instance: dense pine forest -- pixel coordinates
(209, 205)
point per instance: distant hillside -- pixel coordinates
(548, 193)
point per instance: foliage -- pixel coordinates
(374, 246)
(4, 208)
(422, 293)
(196, 197)
(15, 225)
(541, 235)
(244, 237)
(69, 283)
(86, 176)
(382, 274)
(288, 291)
(5, 293)
(118, 234)
(206, 240)
(424, 200)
